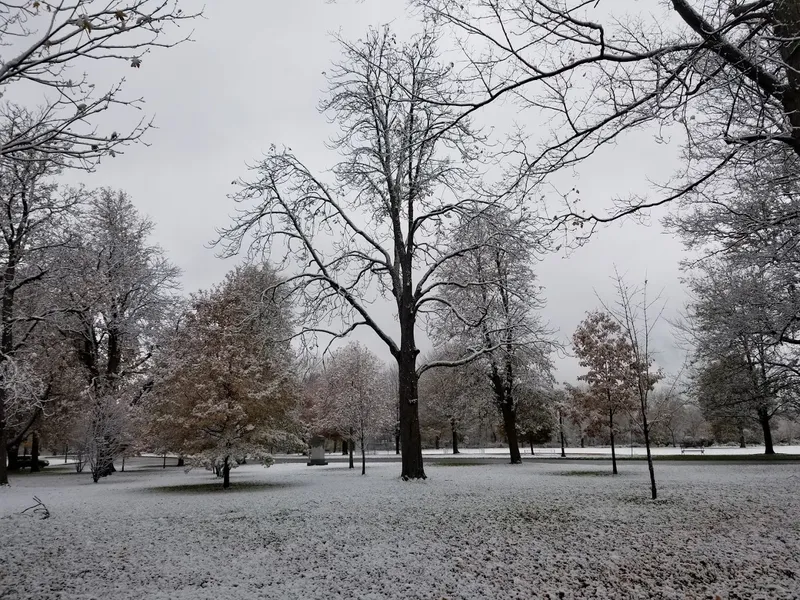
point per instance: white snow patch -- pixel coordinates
(537, 530)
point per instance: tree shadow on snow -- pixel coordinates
(587, 474)
(216, 487)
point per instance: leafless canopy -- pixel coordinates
(724, 73)
(44, 43)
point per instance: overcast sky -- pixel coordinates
(253, 76)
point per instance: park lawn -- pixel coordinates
(537, 530)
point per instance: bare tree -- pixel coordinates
(743, 372)
(47, 43)
(378, 228)
(119, 293)
(34, 219)
(637, 314)
(491, 301)
(452, 397)
(353, 385)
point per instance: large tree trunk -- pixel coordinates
(455, 437)
(786, 16)
(510, 425)
(35, 452)
(226, 474)
(763, 419)
(350, 445)
(13, 457)
(3, 438)
(613, 451)
(410, 438)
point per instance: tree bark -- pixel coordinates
(123, 464)
(510, 425)
(226, 474)
(455, 438)
(350, 445)
(410, 438)
(613, 452)
(397, 441)
(530, 439)
(3, 438)
(35, 452)
(763, 419)
(164, 461)
(66, 452)
(363, 458)
(646, 431)
(786, 16)
(561, 434)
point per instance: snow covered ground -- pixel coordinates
(537, 530)
(622, 451)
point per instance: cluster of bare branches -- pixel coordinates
(722, 76)
(45, 46)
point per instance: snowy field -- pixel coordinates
(538, 530)
(622, 451)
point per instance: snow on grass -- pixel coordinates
(537, 530)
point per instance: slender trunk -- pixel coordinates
(335, 444)
(613, 451)
(764, 418)
(510, 425)
(363, 458)
(646, 431)
(35, 452)
(66, 452)
(742, 442)
(164, 461)
(123, 463)
(455, 437)
(561, 433)
(582, 441)
(344, 447)
(226, 474)
(530, 439)
(181, 461)
(410, 438)
(350, 445)
(436, 442)
(397, 441)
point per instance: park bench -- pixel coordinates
(691, 446)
